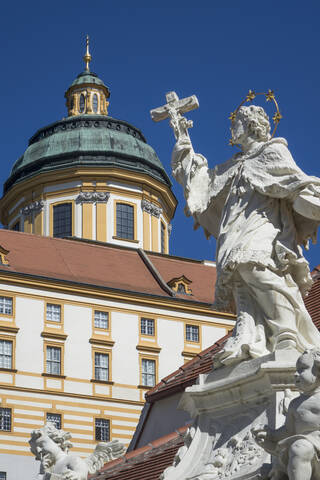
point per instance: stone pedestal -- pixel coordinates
(226, 404)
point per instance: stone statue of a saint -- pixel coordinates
(261, 207)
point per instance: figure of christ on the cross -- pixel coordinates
(261, 208)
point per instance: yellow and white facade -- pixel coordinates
(90, 164)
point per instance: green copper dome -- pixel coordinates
(87, 141)
(86, 78)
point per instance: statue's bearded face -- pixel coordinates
(239, 130)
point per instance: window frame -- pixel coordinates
(5, 432)
(92, 102)
(51, 209)
(55, 345)
(60, 322)
(4, 476)
(109, 420)
(186, 330)
(148, 335)
(131, 204)
(155, 360)
(12, 340)
(105, 352)
(12, 314)
(101, 310)
(57, 414)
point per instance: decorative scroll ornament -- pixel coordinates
(33, 207)
(90, 197)
(151, 208)
(250, 96)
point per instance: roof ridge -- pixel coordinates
(155, 272)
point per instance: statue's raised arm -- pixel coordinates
(261, 207)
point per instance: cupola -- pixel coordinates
(87, 95)
(90, 176)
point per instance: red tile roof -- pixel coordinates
(102, 265)
(202, 288)
(145, 463)
(187, 374)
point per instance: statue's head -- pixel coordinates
(250, 121)
(307, 376)
(48, 442)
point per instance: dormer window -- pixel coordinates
(95, 103)
(181, 285)
(82, 103)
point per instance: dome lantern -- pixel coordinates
(87, 93)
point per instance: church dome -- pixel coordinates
(90, 176)
(87, 141)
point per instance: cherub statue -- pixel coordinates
(51, 447)
(296, 445)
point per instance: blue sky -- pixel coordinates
(215, 49)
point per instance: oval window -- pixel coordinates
(82, 103)
(95, 103)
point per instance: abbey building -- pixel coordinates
(94, 312)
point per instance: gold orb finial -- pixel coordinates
(87, 57)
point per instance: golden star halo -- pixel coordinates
(270, 96)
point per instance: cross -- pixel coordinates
(173, 110)
(174, 104)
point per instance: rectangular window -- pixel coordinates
(6, 305)
(62, 220)
(102, 429)
(5, 419)
(3, 476)
(53, 360)
(101, 319)
(125, 221)
(147, 326)
(148, 372)
(5, 354)
(163, 238)
(101, 366)
(54, 418)
(192, 333)
(53, 312)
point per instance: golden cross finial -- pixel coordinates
(87, 57)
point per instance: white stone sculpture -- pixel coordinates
(261, 208)
(296, 445)
(51, 447)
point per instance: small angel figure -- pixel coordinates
(296, 445)
(50, 446)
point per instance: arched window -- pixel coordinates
(82, 103)
(95, 103)
(125, 221)
(62, 220)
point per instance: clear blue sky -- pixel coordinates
(144, 49)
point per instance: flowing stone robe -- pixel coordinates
(247, 204)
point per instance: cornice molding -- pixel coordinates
(151, 208)
(33, 207)
(91, 197)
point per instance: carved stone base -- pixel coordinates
(226, 404)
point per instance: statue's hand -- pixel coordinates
(260, 434)
(71, 475)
